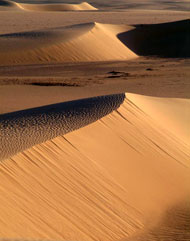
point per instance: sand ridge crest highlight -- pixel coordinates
(104, 168)
(33, 126)
(84, 6)
(95, 42)
(77, 43)
(109, 168)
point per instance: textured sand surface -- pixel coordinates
(23, 129)
(105, 181)
(113, 167)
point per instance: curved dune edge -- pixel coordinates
(95, 42)
(84, 6)
(124, 167)
(79, 43)
(19, 129)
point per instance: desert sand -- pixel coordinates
(94, 121)
(46, 7)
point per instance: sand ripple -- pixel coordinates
(23, 129)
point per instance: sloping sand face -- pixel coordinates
(19, 129)
(95, 42)
(106, 181)
(80, 43)
(84, 6)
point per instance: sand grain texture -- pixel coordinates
(124, 161)
(113, 167)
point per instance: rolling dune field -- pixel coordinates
(94, 120)
(122, 167)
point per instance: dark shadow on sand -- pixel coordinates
(23, 129)
(168, 40)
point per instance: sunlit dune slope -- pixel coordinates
(164, 40)
(95, 42)
(23, 129)
(85, 42)
(173, 111)
(47, 7)
(105, 181)
(174, 225)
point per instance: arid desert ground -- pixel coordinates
(94, 120)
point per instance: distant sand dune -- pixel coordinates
(106, 181)
(78, 43)
(95, 42)
(48, 7)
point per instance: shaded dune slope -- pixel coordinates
(5, 3)
(124, 167)
(84, 6)
(164, 40)
(23, 129)
(174, 225)
(85, 42)
(95, 42)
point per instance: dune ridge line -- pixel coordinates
(84, 6)
(124, 167)
(95, 42)
(23, 129)
(77, 43)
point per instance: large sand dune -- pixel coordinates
(95, 42)
(85, 42)
(107, 168)
(84, 6)
(18, 128)
(109, 180)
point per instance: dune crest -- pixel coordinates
(84, 6)
(95, 42)
(78, 43)
(94, 175)
(51, 121)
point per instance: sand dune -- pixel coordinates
(108, 168)
(173, 111)
(85, 42)
(95, 42)
(84, 6)
(106, 181)
(51, 121)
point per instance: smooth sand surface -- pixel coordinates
(113, 167)
(84, 6)
(95, 42)
(124, 167)
(174, 112)
(80, 43)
